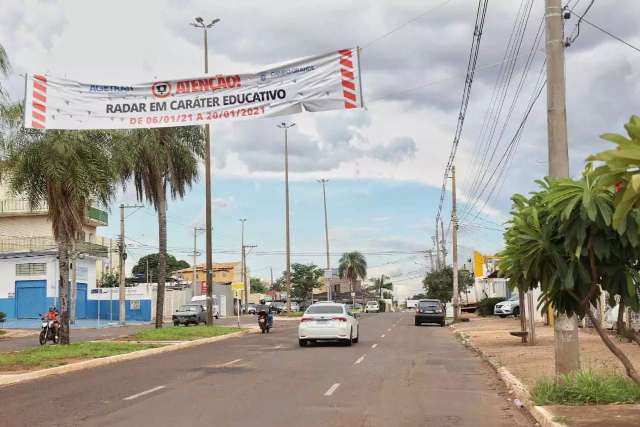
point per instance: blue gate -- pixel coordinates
(81, 301)
(31, 298)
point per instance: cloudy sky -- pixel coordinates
(384, 163)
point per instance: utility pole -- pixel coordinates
(567, 349)
(245, 280)
(194, 275)
(148, 281)
(430, 252)
(207, 167)
(123, 257)
(454, 246)
(286, 127)
(244, 267)
(437, 248)
(326, 236)
(443, 244)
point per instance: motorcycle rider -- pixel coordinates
(52, 315)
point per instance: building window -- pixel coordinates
(31, 269)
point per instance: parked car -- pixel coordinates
(251, 309)
(508, 307)
(189, 314)
(430, 311)
(294, 306)
(372, 307)
(202, 300)
(278, 306)
(331, 321)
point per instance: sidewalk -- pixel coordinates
(18, 339)
(490, 336)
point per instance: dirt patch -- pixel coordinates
(17, 333)
(530, 363)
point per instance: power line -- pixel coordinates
(399, 27)
(597, 27)
(466, 93)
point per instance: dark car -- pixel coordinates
(430, 311)
(189, 314)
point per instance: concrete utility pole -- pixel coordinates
(244, 267)
(207, 167)
(454, 246)
(286, 127)
(430, 252)
(567, 350)
(326, 235)
(194, 275)
(123, 257)
(437, 248)
(443, 245)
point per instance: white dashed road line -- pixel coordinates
(230, 363)
(382, 336)
(332, 389)
(360, 359)
(151, 390)
(374, 345)
(389, 330)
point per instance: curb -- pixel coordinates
(543, 416)
(12, 379)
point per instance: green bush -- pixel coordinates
(485, 306)
(3, 316)
(583, 388)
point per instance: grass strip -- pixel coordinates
(585, 388)
(183, 333)
(55, 355)
(291, 314)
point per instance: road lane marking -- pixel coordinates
(360, 359)
(151, 390)
(374, 346)
(332, 389)
(389, 330)
(230, 363)
(382, 336)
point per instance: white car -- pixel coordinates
(372, 307)
(328, 321)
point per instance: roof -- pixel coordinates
(216, 265)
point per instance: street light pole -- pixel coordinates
(326, 236)
(199, 23)
(244, 267)
(286, 127)
(194, 276)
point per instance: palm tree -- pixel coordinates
(158, 160)
(352, 266)
(65, 170)
(5, 67)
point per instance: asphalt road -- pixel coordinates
(397, 375)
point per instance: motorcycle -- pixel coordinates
(50, 331)
(264, 322)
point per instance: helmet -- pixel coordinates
(52, 308)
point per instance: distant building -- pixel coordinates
(224, 273)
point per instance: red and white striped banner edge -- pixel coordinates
(349, 78)
(39, 102)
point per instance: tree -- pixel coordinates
(158, 160)
(154, 260)
(378, 287)
(257, 286)
(65, 170)
(562, 240)
(5, 67)
(439, 284)
(420, 296)
(304, 279)
(352, 266)
(109, 280)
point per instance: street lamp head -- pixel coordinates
(199, 19)
(213, 22)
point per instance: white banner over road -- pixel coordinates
(318, 83)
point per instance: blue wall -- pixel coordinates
(8, 307)
(144, 314)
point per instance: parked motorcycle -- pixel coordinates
(50, 331)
